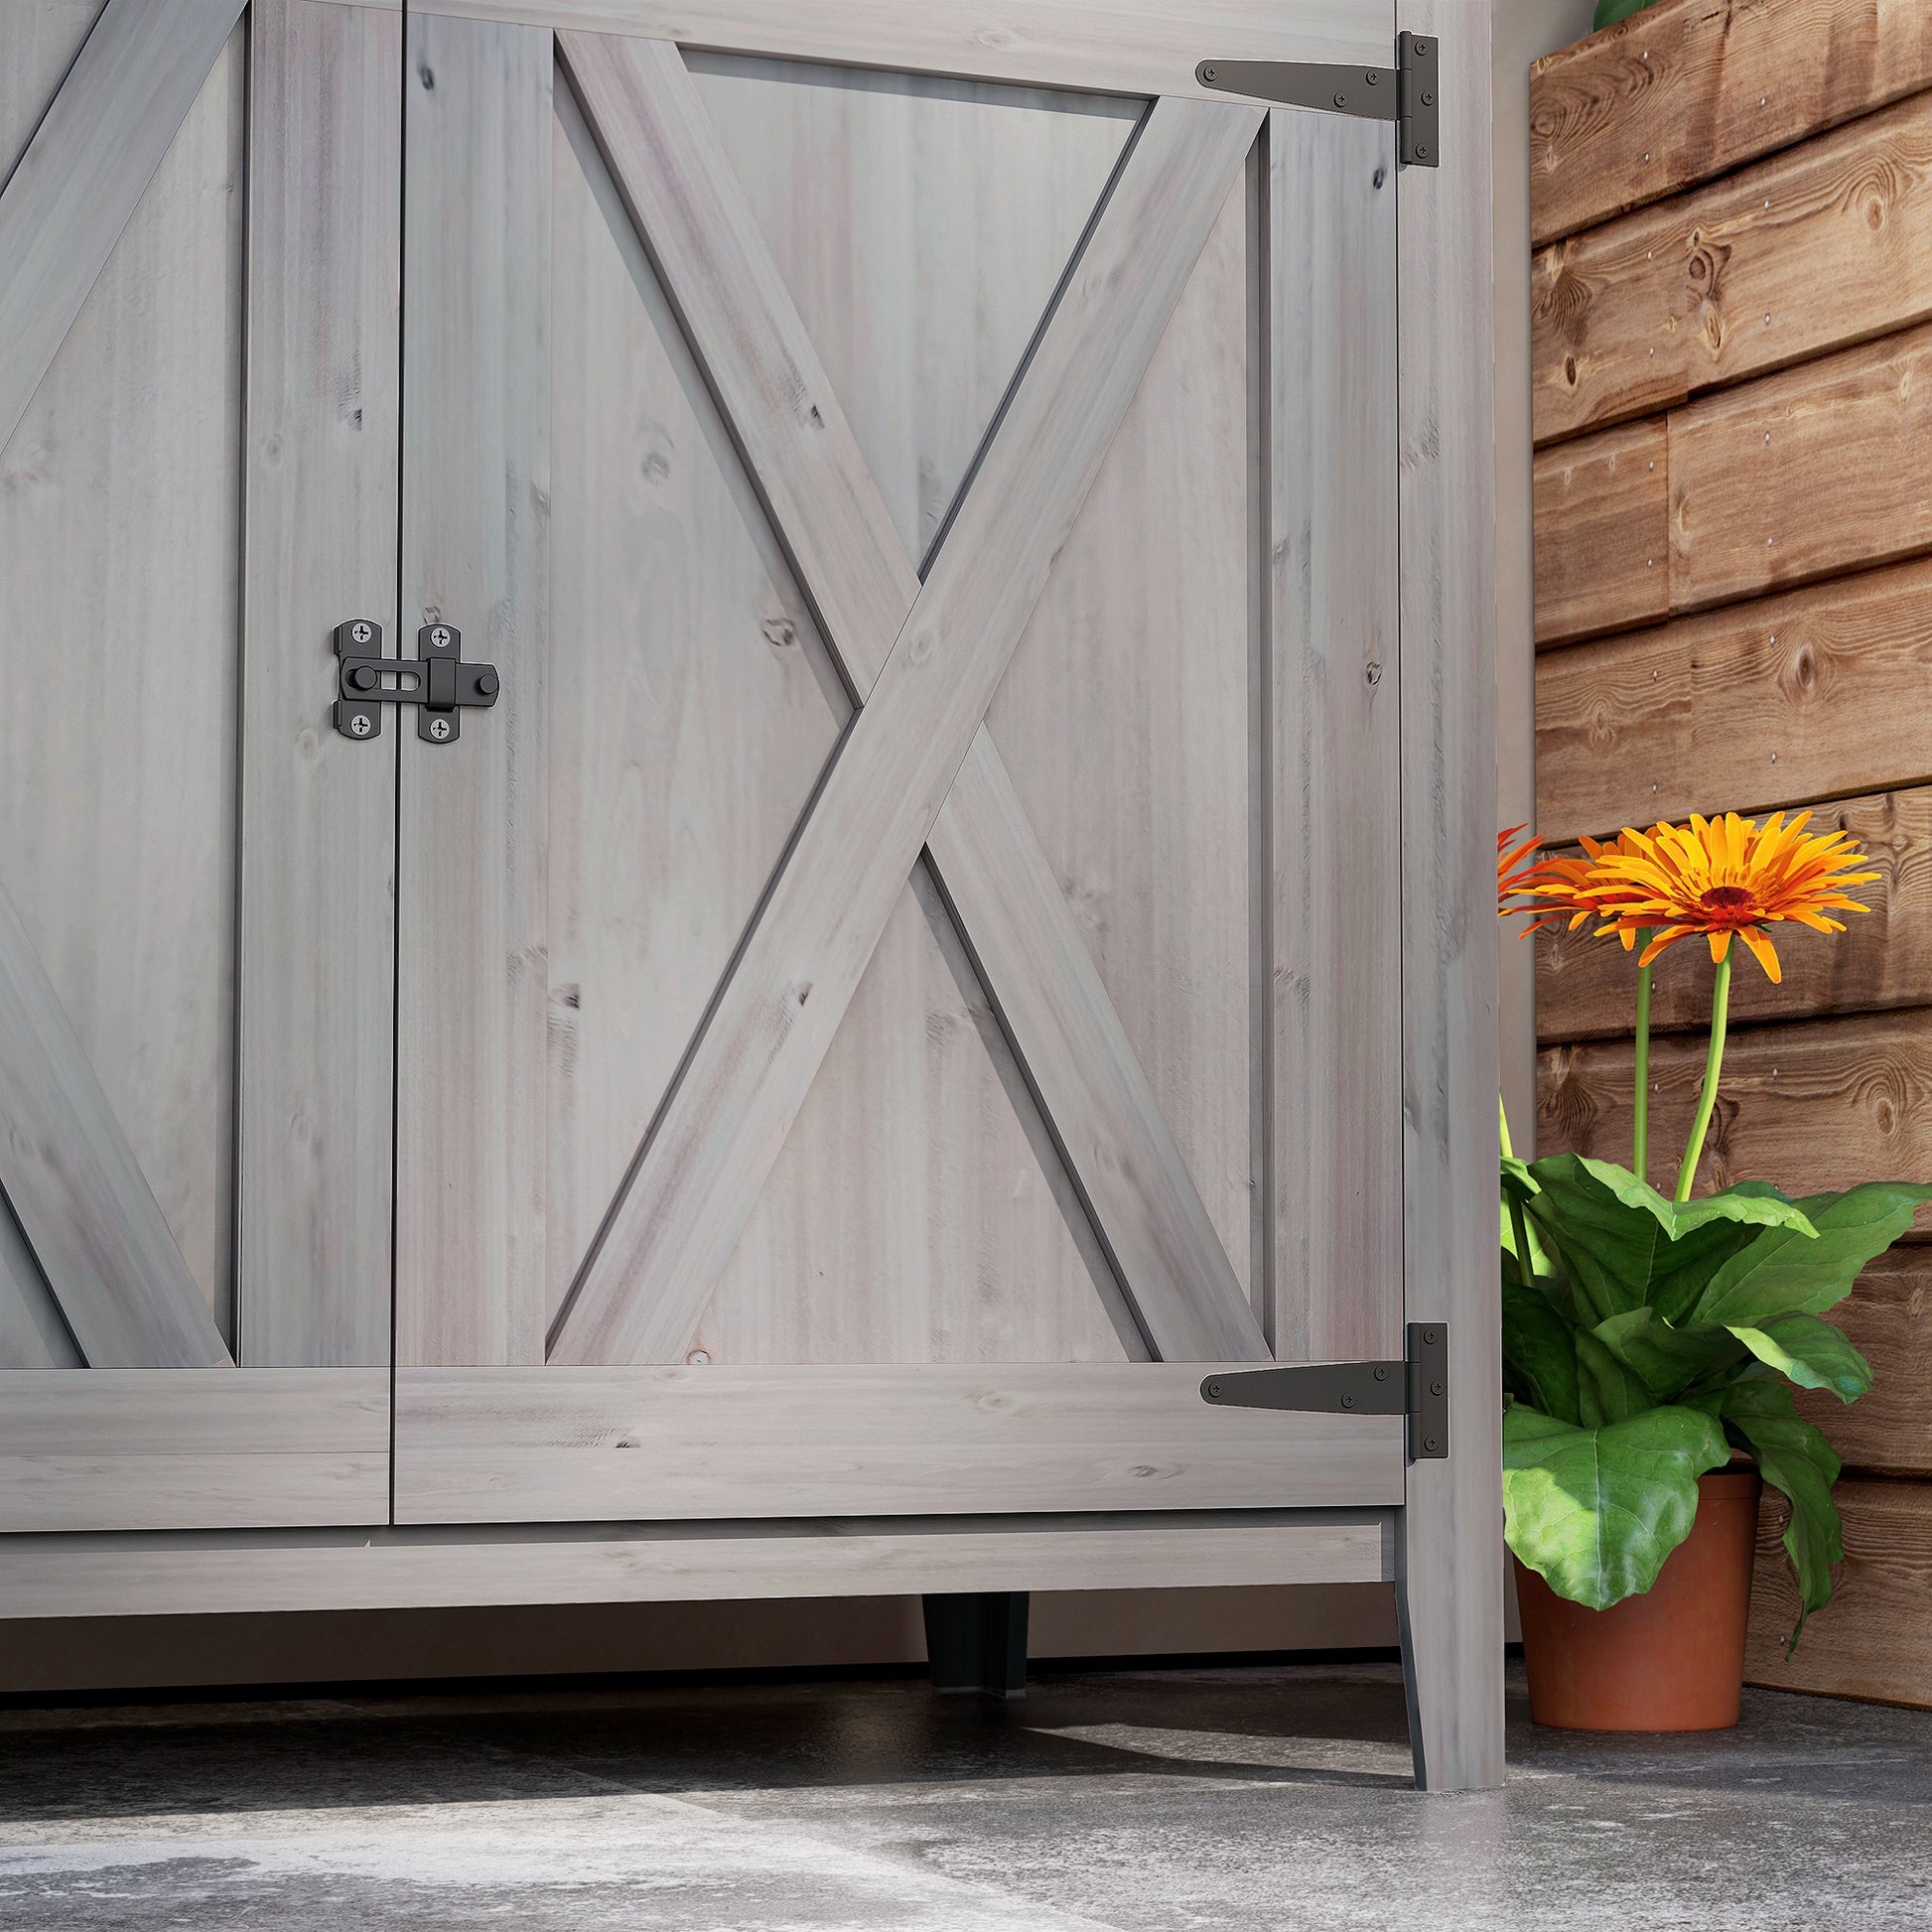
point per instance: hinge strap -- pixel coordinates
(1404, 93)
(1416, 1387)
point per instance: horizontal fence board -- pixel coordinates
(1822, 468)
(1823, 1104)
(1869, 1640)
(193, 1449)
(1889, 1427)
(1602, 535)
(1826, 245)
(1824, 692)
(1585, 987)
(1688, 89)
(556, 1445)
(689, 1563)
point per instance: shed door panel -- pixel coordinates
(845, 957)
(194, 946)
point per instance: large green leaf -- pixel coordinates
(1595, 1511)
(1668, 1359)
(1796, 1459)
(1609, 12)
(1811, 1352)
(1627, 1247)
(1540, 1351)
(1782, 1271)
(1606, 1391)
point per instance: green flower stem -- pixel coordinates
(1502, 1117)
(1713, 1063)
(1640, 1112)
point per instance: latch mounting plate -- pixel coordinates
(1416, 1387)
(1405, 93)
(437, 681)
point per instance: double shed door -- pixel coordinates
(908, 969)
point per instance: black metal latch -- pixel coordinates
(1416, 1388)
(437, 681)
(1405, 93)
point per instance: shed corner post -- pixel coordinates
(1450, 1549)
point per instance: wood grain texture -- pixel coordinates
(747, 1075)
(1825, 1104)
(960, 1241)
(40, 38)
(1125, 47)
(1335, 762)
(1688, 89)
(474, 988)
(1132, 758)
(920, 1210)
(32, 1332)
(1889, 1429)
(89, 558)
(401, 1568)
(586, 1443)
(92, 156)
(1449, 1551)
(1584, 990)
(1027, 948)
(1819, 470)
(922, 225)
(318, 812)
(119, 521)
(1869, 1640)
(187, 1449)
(1817, 247)
(83, 1202)
(1811, 694)
(698, 702)
(1601, 506)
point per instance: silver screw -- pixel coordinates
(440, 637)
(439, 728)
(359, 725)
(362, 634)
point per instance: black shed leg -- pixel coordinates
(976, 1640)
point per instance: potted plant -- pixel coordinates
(1651, 1342)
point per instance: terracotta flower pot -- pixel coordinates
(1672, 1659)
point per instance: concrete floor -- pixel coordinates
(1260, 1797)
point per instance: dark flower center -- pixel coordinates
(1725, 898)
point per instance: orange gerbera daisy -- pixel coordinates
(1516, 870)
(1725, 875)
(1578, 887)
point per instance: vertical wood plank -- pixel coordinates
(73, 190)
(1450, 1542)
(318, 811)
(470, 895)
(1337, 833)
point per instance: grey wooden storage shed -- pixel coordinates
(744, 785)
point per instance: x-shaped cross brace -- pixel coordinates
(916, 766)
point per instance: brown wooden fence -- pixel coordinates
(1731, 201)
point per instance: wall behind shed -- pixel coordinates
(1731, 347)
